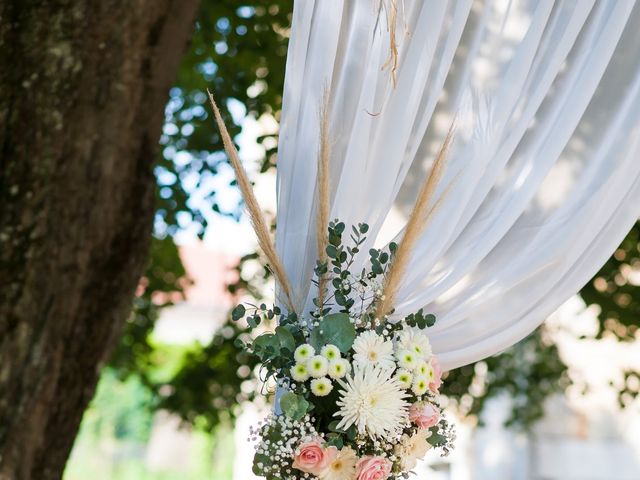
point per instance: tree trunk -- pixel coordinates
(83, 86)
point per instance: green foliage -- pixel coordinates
(124, 410)
(294, 406)
(238, 312)
(615, 293)
(345, 283)
(238, 51)
(420, 320)
(529, 372)
(286, 340)
(335, 329)
(118, 424)
(207, 386)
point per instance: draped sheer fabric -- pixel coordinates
(544, 171)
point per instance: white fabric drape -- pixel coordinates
(546, 159)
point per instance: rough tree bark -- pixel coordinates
(83, 86)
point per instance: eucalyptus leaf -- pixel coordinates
(293, 406)
(253, 321)
(335, 329)
(436, 439)
(316, 340)
(266, 345)
(333, 426)
(286, 339)
(335, 439)
(238, 312)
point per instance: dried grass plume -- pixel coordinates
(322, 219)
(420, 217)
(392, 20)
(255, 213)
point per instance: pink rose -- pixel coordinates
(373, 468)
(313, 458)
(424, 414)
(435, 384)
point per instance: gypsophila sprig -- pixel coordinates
(358, 395)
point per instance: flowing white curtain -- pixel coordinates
(546, 160)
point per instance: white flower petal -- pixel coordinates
(372, 349)
(373, 402)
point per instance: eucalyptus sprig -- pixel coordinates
(349, 303)
(353, 293)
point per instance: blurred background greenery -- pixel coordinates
(238, 50)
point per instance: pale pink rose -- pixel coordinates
(434, 386)
(312, 457)
(373, 468)
(424, 414)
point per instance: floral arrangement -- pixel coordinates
(358, 395)
(357, 390)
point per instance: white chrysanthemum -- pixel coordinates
(303, 353)
(321, 387)
(415, 340)
(338, 368)
(330, 352)
(372, 349)
(413, 448)
(407, 359)
(431, 373)
(343, 467)
(420, 385)
(318, 366)
(373, 402)
(299, 372)
(404, 377)
(423, 368)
